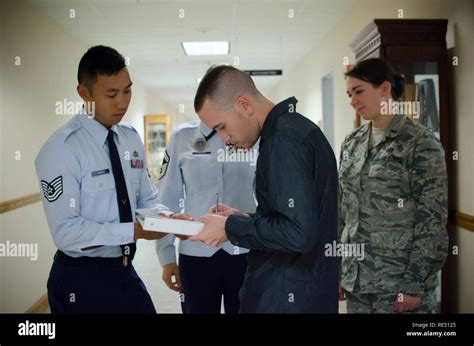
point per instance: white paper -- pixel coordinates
(150, 221)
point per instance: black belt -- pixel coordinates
(90, 260)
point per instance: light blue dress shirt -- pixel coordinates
(78, 188)
(193, 171)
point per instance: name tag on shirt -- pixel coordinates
(101, 172)
(136, 163)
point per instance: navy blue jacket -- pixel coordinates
(296, 189)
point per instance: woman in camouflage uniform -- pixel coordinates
(392, 201)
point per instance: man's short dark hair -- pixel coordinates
(223, 84)
(99, 60)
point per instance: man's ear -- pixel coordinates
(245, 104)
(84, 92)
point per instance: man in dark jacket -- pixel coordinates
(296, 190)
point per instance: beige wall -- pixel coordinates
(460, 37)
(305, 83)
(137, 107)
(173, 110)
(2, 87)
(147, 101)
(29, 93)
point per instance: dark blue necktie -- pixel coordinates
(125, 210)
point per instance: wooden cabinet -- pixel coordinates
(417, 48)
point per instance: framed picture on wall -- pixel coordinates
(157, 132)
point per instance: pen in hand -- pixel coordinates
(217, 203)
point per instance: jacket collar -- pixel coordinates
(98, 131)
(277, 110)
(207, 132)
(391, 131)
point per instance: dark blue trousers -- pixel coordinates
(96, 285)
(205, 280)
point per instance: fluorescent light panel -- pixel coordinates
(206, 48)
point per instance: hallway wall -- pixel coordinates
(460, 34)
(29, 92)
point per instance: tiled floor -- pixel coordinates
(147, 265)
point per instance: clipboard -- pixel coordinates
(150, 221)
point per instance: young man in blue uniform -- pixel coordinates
(197, 167)
(92, 178)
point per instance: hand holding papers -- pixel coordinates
(179, 224)
(225, 210)
(213, 232)
(210, 228)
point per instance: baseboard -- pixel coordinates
(40, 306)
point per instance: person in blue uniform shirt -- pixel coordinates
(197, 169)
(92, 178)
(296, 188)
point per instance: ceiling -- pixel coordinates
(261, 33)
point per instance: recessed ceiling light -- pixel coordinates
(206, 48)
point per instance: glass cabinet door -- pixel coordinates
(421, 98)
(421, 103)
(157, 131)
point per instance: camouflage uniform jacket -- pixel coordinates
(393, 200)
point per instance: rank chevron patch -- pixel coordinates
(164, 165)
(52, 190)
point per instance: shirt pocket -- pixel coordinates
(92, 185)
(135, 180)
(98, 197)
(201, 172)
(347, 175)
(388, 166)
(349, 191)
(388, 181)
(386, 171)
(391, 251)
(392, 239)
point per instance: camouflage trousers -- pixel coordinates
(381, 303)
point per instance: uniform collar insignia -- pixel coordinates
(395, 126)
(200, 144)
